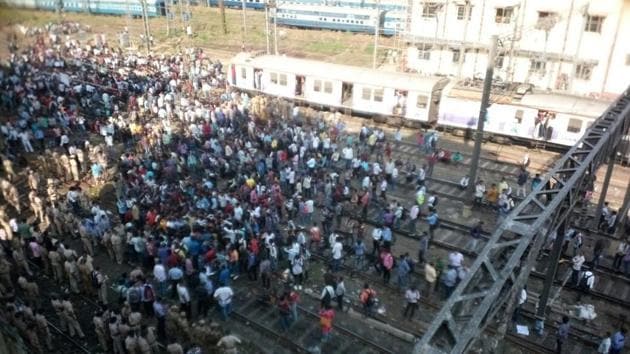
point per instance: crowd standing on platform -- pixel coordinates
(205, 187)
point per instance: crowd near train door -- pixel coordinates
(543, 124)
(257, 79)
(299, 86)
(346, 94)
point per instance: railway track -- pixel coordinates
(455, 239)
(304, 335)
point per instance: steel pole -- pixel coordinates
(604, 191)
(223, 21)
(275, 29)
(244, 29)
(267, 27)
(376, 31)
(146, 26)
(485, 98)
(622, 216)
(550, 276)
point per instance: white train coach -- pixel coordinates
(363, 91)
(414, 100)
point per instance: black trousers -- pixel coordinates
(410, 309)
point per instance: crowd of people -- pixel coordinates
(151, 160)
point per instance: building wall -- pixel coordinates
(547, 39)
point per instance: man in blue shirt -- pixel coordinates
(387, 236)
(618, 341)
(433, 219)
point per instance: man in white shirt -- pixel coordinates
(520, 301)
(224, 295)
(455, 259)
(159, 273)
(337, 249)
(377, 235)
(576, 267)
(184, 298)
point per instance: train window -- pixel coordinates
(273, 77)
(328, 87)
(378, 95)
(366, 94)
(422, 101)
(575, 125)
(243, 73)
(283, 79)
(519, 116)
(317, 85)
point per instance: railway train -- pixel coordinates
(414, 100)
(386, 5)
(340, 18)
(104, 7)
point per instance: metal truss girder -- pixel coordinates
(554, 207)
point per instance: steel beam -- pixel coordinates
(604, 191)
(498, 269)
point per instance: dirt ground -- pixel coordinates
(339, 47)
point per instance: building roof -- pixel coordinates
(347, 73)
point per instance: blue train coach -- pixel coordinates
(250, 4)
(104, 7)
(333, 18)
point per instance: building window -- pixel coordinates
(283, 79)
(503, 15)
(575, 125)
(273, 77)
(519, 116)
(243, 73)
(461, 12)
(317, 85)
(537, 66)
(378, 95)
(429, 9)
(328, 87)
(498, 61)
(546, 20)
(456, 55)
(366, 94)
(422, 102)
(583, 71)
(594, 23)
(424, 52)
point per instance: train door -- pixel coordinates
(257, 79)
(434, 108)
(400, 107)
(299, 86)
(346, 94)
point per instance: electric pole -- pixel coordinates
(146, 25)
(244, 28)
(223, 21)
(485, 98)
(275, 28)
(168, 17)
(267, 27)
(376, 30)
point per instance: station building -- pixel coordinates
(568, 46)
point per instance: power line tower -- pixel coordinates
(505, 262)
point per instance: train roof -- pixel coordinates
(329, 9)
(566, 104)
(347, 73)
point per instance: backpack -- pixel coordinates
(149, 295)
(133, 295)
(95, 282)
(327, 296)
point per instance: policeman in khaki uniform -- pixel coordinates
(58, 307)
(42, 329)
(71, 318)
(117, 245)
(72, 271)
(37, 206)
(57, 268)
(114, 332)
(101, 332)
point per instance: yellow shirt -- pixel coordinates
(430, 274)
